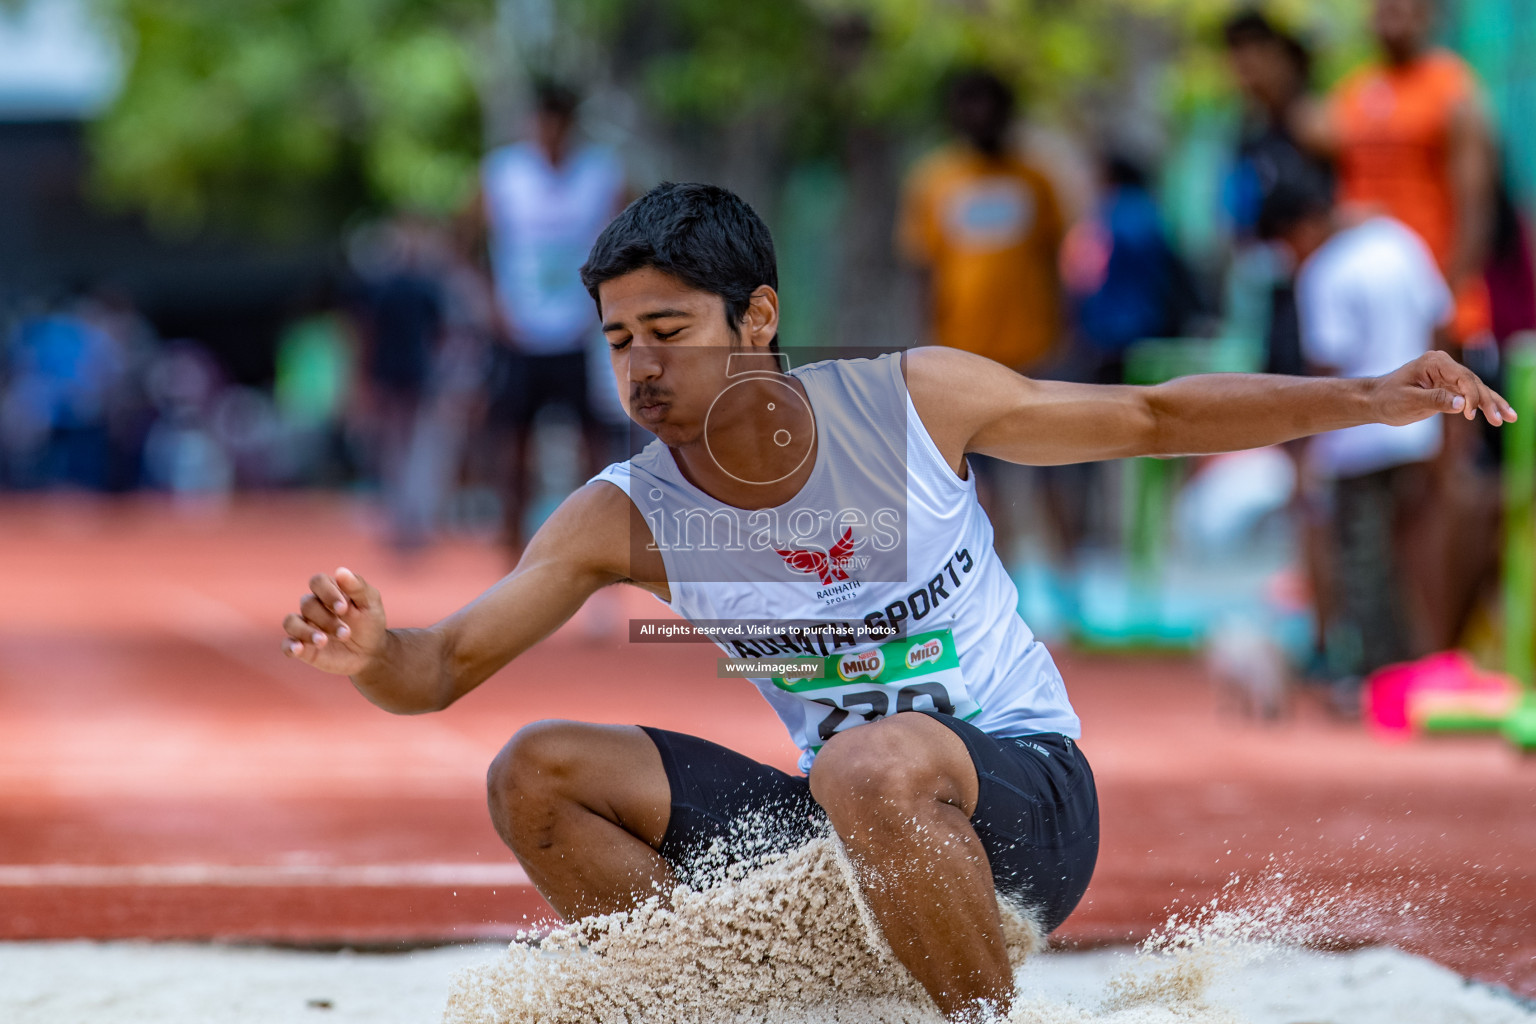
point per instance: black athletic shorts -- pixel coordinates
(1037, 813)
(523, 383)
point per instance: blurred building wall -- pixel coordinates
(1499, 38)
(231, 296)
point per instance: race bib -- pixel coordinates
(914, 673)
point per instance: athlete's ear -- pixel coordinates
(761, 321)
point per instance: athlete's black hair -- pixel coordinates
(703, 235)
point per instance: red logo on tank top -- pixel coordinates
(827, 566)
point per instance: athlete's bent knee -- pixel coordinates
(871, 774)
(539, 755)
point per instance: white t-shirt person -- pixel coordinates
(543, 220)
(1370, 299)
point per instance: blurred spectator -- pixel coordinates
(456, 393)
(247, 428)
(312, 387)
(982, 229)
(402, 328)
(1272, 69)
(545, 200)
(65, 377)
(181, 452)
(1124, 280)
(112, 311)
(1371, 298)
(1412, 142)
(1124, 284)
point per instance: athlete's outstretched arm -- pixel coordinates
(340, 625)
(972, 404)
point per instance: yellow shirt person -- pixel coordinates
(987, 229)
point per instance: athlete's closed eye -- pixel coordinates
(619, 346)
(664, 335)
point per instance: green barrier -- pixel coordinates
(1520, 542)
(1518, 725)
(1151, 483)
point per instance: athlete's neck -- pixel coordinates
(758, 446)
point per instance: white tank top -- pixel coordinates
(883, 534)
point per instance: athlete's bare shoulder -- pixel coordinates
(599, 530)
(954, 392)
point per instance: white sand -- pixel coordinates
(785, 943)
(790, 943)
(141, 983)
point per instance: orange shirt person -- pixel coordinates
(1412, 142)
(985, 229)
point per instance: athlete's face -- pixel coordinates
(671, 348)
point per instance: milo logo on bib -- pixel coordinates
(929, 651)
(918, 673)
(855, 666)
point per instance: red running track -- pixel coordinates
(166, 773)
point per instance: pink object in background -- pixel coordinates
(1397, 697)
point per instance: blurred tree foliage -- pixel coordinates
(288, 114)
(291, 112)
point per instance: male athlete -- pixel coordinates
(938, 739)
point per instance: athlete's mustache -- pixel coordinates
(648, 394)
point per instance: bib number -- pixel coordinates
(913, 674)
(873, 704)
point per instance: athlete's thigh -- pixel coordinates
(1036, 815)
(725, 807)
(903, 755)
(614, 771)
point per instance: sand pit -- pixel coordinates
(785, 942)
(789, 943)
(142, 983)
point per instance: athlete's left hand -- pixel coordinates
(1435, 383)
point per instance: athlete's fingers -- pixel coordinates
(1476, 394)
(328, 593)
(300, 651)
(356, 590)
(1495, 408)
(1445, 400)
(317, 613)
(1471, 390)
(305, 632)
(1485, 401)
